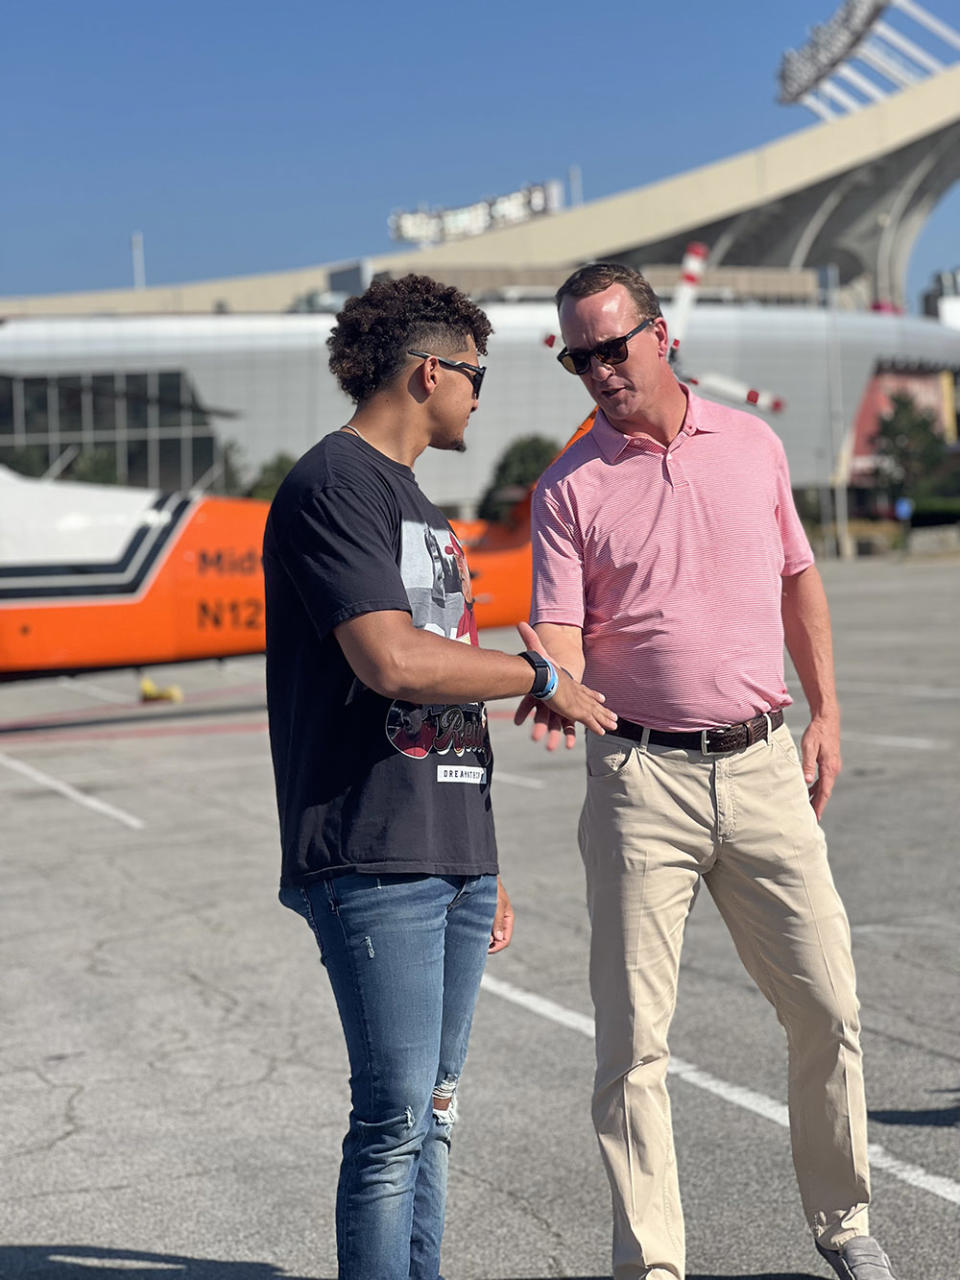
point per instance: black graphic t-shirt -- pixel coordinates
(365, 783)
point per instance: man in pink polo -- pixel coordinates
(669, 567)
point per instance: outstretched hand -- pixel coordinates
(572, 703)
(546, 724)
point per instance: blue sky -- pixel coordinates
(252, 137)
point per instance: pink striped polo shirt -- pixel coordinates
(670, 560)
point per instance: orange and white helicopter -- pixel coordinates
(94, 577)
(100, 576)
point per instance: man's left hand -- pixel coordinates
(820, 756)
(502, 930)
(546, 723)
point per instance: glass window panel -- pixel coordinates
(136, 396)
(70, 392)
(169, 394)
(197, 417)
(35, 412)
(137, 463)
(203, 455)
(170, 464)
(104, 403)
(6, 406)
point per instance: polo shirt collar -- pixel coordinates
(697, 418)
(612, 442)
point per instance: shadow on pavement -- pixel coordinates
(757, 1275)
(936, 1118)
(155, 711)
(87, 1262)
(728, 1275)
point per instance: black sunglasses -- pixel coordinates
(474, 371)
(613, 351)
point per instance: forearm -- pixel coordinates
(564, 645)
(806, 627)
(432, 669)
(419, 666)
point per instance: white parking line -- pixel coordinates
(900, 690)
(886, 740)
(747, 1099)
(65, 789)
(518, 780)
(97, 691)
(922, 925)
(110, 1263)
(177, 767)
(891, 740)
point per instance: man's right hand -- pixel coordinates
(573, 703)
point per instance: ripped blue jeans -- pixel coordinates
(405, 954)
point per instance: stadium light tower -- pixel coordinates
(857, 32)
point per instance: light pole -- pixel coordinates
(139, 263)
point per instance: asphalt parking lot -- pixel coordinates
(172, 1081)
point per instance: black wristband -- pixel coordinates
(542, 671)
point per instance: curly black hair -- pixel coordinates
(369, 344)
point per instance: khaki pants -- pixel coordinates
(655, 821)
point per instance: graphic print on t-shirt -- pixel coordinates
(416, 730)
(437, 583)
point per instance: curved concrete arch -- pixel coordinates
(910, 227)
(939, 182)
(888, 287)
(853, 264)
(831, 201)
(730, 235)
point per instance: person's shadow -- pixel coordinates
(87, 1262)
(757, 1275)
(729, 1275)
(935, 1117)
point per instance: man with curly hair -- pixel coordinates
(375, 688)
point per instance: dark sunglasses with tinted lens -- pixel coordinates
(613, 351)
(474, 371)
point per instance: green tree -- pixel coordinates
(231, 480)
(29, 460)
(94, 466)
(270, 476)
(519, 466)
(912, 449)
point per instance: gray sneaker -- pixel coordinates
(859, 1259)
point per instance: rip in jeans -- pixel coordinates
(445, 1101)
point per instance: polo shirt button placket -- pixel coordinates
(674, 471)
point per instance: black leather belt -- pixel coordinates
(725, 737)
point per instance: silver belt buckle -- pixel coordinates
(704, 745)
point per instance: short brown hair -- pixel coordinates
(369, 344)
(597, 276)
